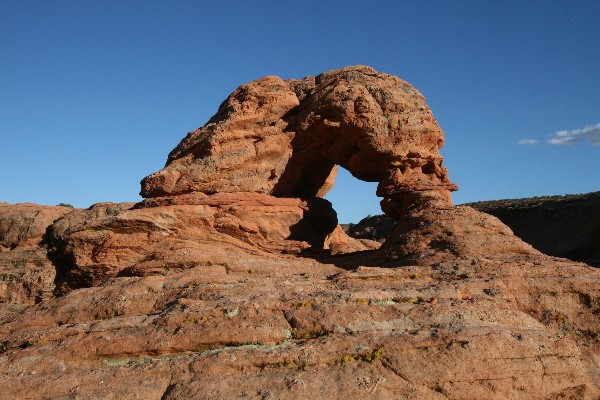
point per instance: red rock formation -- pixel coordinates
(562, 226)
(26, 274)
(285, 139)
(429, 235)
(166, 234)
(194, 294)
(258, 325)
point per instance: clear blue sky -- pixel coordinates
(94, 94)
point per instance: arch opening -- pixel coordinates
(352, 198)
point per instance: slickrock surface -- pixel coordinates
(495, 326)
(285, 138)
(452, 306)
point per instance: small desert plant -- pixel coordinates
(231, 312)
(197, 320)
(64, 205)
(369, 356)
(4, 346)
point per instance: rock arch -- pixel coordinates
(285, 138)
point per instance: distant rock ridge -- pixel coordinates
(563, 226)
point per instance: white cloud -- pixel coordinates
(528, 142)
(590, 134)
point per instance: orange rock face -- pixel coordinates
(26, 273)
(468, 312)
(166, 234)
(285, 138)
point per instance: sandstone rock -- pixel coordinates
(168, 234)
(285, 139)
(227, 282)
(24, 224)
(26, 274)
(525, 326)
(562, 226)
(338, 242)
(243, 148)
(375, 227)
(429, 235)
(451, 306)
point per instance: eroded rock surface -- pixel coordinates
(166, 234)
(494, 326)
(372, 227)
(285, 138)
(26, 273)
(427, 235)
(194, 296)
(563, 226)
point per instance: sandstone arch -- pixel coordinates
(285, 138)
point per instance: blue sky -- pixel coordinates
(94, 94)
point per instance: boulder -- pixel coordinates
(26, 273)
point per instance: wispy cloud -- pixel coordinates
(590, 134)
(528, 142)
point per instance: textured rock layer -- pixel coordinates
(26, 273)
(562, 226)
(285, 138)
(166, 234)
(202, 314)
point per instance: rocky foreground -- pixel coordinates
(236, 282)
(202, 314)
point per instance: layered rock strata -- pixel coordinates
(237, 323)
(166, 234)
